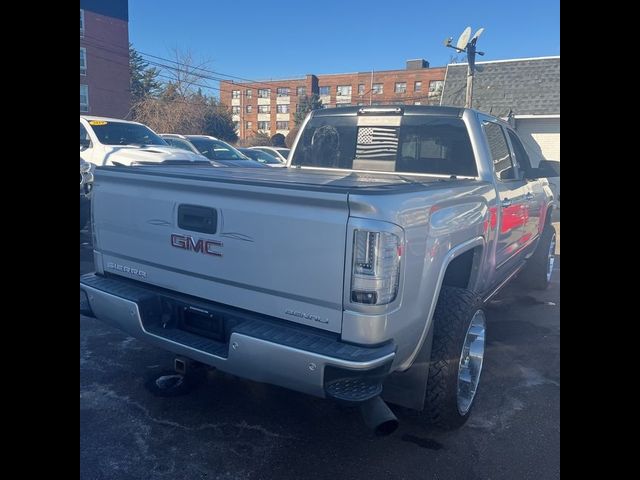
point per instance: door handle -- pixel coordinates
(528, 196)
(506, 203)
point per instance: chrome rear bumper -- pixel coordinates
(258, 349)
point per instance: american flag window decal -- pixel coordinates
(377, 143)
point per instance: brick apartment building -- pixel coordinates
(270, 106)
(104, 58)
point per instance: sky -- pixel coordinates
(261, 40)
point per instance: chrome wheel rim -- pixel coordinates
(471, 362)
(551, 257)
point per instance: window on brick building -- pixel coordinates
(283, 92)
(235, 94)
(248, 108)
(248, 93)
(343, 90)
(361, 89)
(235, 109)
(301, 91)
(377, 88)
(264, 93)
(263, 125)
(83, 61)
(264, 108)
(248, 125)
(417, 87)
(324, 90)
(282, 108)
(282, 125)
(81, 22)
(84, 98)
(401, 87)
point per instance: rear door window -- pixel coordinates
(502, 161)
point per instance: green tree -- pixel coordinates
(144, 79)
(305, 105)
(218, 121)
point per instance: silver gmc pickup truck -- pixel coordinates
(358, 273)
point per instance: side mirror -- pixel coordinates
(85, 143)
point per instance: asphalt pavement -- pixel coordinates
(229, 428)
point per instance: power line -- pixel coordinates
(253, 82)
(218, 79)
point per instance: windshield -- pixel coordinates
(179, 143)
(261, 156)
(408, 144)
(120, 133)
(217, 150)
(283, 151)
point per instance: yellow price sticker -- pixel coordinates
(97, 122)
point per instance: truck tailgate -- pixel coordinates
(272, 249)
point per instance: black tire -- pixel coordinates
(454, 312)
(534, 275)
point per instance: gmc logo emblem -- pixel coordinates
(187, 242)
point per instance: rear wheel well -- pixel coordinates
(547, 219)
(461, 270)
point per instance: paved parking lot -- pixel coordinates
(228, 428)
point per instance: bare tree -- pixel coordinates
(257, 138)
(181, 106)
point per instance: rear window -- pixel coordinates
(419, 144)
(216, 150)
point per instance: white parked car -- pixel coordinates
(109, 141)
(280, 153)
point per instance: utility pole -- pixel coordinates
(471, 66)
(371, 89)
(467, 45)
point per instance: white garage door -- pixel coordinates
(541, 135)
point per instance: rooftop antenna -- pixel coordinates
(466, 43)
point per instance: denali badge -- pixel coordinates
(307, 316)
(126, 269)
(187, 242)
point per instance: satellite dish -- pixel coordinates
(477, 34)
(464, 39)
